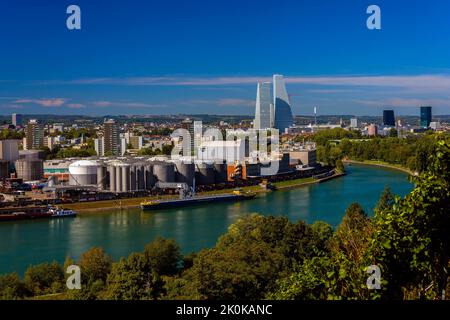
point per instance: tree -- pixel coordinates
(95, 264)
(163, 256)
(386, 200)
(133, 279)
(411, 240)
(348, 247)
(249, 259)
(11, 288)
(44, 278)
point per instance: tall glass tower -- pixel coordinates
(388, 118)
(282, 109)
(263, 111)
(425, 116)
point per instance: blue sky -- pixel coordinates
(167, 57)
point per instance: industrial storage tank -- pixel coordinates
(149, 177)
(29, 169)
(140, 175)
(112, 178)
(185, 172)
(102, 177)
(133, 181)
(83, 172)
(118, 170)
(164, 171)
(204, 174)
(220, 172)
(125, 167)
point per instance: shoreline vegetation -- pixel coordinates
(106, 205)
(379, 163)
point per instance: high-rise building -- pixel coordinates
(98, 145)
(425, 116)
(264, 106)
(282, 109)
(354, 123)
(16, 119)
(111, 138)
(388, 118)
(34, 134)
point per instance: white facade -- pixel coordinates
(264, 106)
(217, 151)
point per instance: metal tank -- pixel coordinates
(133, 183)
(220, 172)
(102, 177)
(185, 172)
(82, 173)
(125, 168)
(164, 171)
(118, 170)
(29, 169)
(140, 176)
(149, 177)
(112, 178)
(204, 174)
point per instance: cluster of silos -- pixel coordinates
(29, 169)
(139, 174)
(130, 176)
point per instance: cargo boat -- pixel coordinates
(35, 212)
(21, 214)
(237, 195)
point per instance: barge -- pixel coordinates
(237, 195)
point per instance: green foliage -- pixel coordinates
(11, 134)
(11, 287)
(248, 260)
(44, 278)
(164, 256)
(133, 279)
(411, 242)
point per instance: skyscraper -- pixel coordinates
(264, 106)
(111, 138)
(388, 118)
(34, 133)
(16, 119)
(282, 109)
(425, 116)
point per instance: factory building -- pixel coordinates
(303, 157)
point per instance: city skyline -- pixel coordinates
(197, 58)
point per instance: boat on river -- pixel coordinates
(237, 195)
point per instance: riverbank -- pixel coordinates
(86, 207)
(379, 164)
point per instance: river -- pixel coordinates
(121, 232)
